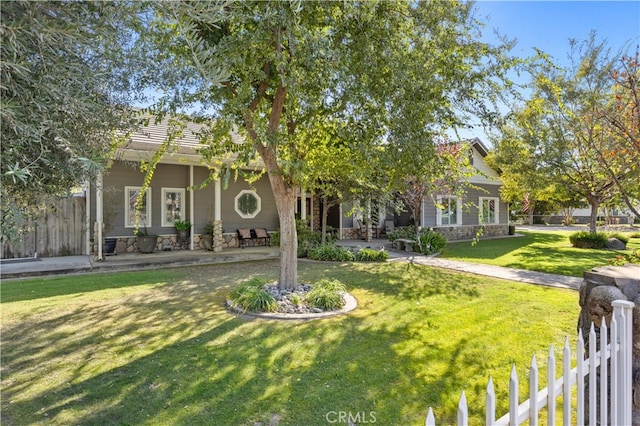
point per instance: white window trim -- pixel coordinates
(496, 203)
(258, 207)
(439, 210)
(129, 214)
(164, 192)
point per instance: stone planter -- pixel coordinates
(207, 241)
(147, 244)
(183, 234)
(110, 245)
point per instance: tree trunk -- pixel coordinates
(325, 213)
(285, 202)
(594, 202)
(530, 212)
(285, 198)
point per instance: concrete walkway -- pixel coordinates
(512, 274)
(136, 261)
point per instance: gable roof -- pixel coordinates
(145, 141)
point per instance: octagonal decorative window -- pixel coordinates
(247, 204)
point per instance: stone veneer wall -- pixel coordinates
(600, 287)
(469, 232)
(170, 242)
(451, 233)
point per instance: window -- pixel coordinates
(172, 205)
(448, 211)
(489, 210)
(143, 218)
(247, 204)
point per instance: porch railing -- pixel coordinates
(612, 397)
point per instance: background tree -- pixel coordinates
(62, 96)
(519, 153)
(445, 173)
(620, 116)
(391, 73)
(560, 133)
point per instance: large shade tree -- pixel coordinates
(561, 138)
(62, 95)
(391, 75)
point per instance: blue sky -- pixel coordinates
(548, 25)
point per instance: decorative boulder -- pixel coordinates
(615, 244)
(600, 287)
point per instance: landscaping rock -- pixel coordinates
(600, 287)
(615, 244)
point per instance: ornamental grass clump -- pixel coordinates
(327, 294)
(430, 241)
(330, 252)
(371, 255)
(252, 297)
(586, 239)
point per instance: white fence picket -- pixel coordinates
(431, 420)
(613, 363)
(603, 372)
(490, 408)
(463, 411)
(580, 369)
(566, 383)
(551, 393)
(615, 350)
(533, 392)
(592, 376)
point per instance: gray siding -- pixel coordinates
(268, 216)
(470, 206)
(122, 174)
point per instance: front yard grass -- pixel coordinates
(158, 347)
(542, 251)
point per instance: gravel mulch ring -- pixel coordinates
(289, 310)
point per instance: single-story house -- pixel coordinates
(175, 194)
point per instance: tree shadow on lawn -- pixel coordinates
(172, 354)
(561, 260)
(405, 280)
(495, 248)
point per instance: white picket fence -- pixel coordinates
(614, 395)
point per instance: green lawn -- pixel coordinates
(542, 251)
(159, 348)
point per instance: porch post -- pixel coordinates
(340, 234)
(87, 217)
(303, 204)
(191, 206)
(99, 218)
(217, 216)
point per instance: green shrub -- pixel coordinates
(407, 232)
(327, 295)
(307, 238)
(634, 235)
(623, 259)
(430, 241)
(585, 239)
(371, 255)
(330, 252)
(252, 297)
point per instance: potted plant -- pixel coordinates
(182, 228)
(109, 213)
(146, 242)
(207, 236)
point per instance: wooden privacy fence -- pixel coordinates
(58, 231)
(596, 401)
